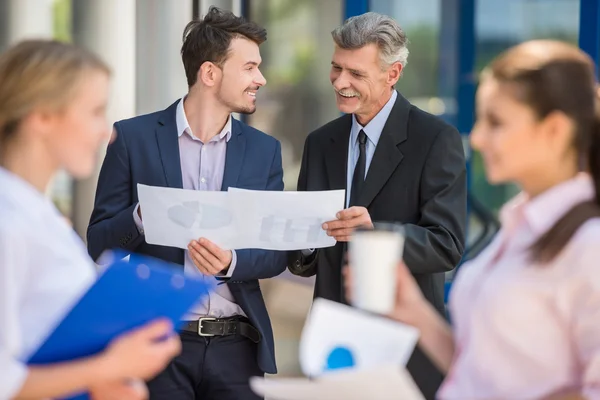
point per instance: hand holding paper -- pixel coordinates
(209, 258)
(239, 219)
(347, 362)
(347, 221)
(114, 320)
(381, 383)
(332, 326)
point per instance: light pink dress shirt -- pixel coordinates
(524, 331)
(202, 168)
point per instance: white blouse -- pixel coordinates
(44, 269)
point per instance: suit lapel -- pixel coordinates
(387, 155)
(234, 158)
(336, 160)
(168, 146)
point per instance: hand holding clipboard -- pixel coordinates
(127, 296)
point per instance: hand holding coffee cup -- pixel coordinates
(377, 279)
(408, 301)
(375, 254)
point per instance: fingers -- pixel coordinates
(206, 262)
(120, 391)
(170, 347)
(140, 390)
(347, 275)
(340, 233)
(343, 238)
(347, 282)
(157, 329)
(211, 259)
(213, 249)
(198, 259)
(403, 270)
(130, 392)
(208, 257)
(351, 213)
(333, 225)
(349, 218)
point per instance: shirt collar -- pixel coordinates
(374, 128)
(541, 212)
(23, 193)
(183, 126)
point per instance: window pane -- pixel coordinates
(61, 188)
(297, 99)
(500, 25)
(421, 22)
(298, 96)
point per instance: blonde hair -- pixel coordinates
(40, 73)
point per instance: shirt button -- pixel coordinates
(203, 180)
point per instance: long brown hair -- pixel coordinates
(551, 76)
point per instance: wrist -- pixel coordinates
(104, 369)
(421, 312)
(229, 262)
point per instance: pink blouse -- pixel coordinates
(525, 331)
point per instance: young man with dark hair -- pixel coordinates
(196, 144)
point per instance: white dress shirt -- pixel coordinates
(373, 131)
(44, 269)
(202, 168)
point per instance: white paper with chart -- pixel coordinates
(238, 218)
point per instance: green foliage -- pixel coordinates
(62, 20)
(421, 76)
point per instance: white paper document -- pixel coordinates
(238, 218)
(336, 336)
(285, 220)
(382, 383)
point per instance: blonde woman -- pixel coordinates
(53, 115)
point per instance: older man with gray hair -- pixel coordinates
(396, 162)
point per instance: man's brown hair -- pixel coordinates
(209, 39)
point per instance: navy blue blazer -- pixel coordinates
(146, 151)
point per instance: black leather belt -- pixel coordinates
(209, 326)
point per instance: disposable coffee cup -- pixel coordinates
(374, 255)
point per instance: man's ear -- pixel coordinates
(394, 73)
(209, 73)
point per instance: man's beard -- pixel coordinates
(236, 108)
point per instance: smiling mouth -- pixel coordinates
(347, 95)
(251, 92)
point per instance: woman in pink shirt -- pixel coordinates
(526, 311)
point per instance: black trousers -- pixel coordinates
(425, 374)
(209, 368)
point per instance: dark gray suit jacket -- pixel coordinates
(417, 177)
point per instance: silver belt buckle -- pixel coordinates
(200, 326)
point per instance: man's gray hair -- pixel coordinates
(379, 29)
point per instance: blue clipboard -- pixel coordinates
(127, 295)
